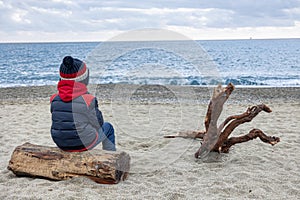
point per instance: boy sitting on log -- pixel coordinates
(77, 123)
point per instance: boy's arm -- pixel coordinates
(94, 114)
(98, 114)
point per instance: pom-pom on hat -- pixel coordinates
(73, 69)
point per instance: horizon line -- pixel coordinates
(100, 41)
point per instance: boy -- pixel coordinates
(77, 123)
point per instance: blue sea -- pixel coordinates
(271, 62)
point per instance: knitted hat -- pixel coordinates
(73, 69)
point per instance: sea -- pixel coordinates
(245, 63)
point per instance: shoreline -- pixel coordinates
(157, 93)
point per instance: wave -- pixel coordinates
(188, 81)
(203, 81)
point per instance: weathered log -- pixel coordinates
(52, 163)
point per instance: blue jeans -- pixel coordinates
(107, 137)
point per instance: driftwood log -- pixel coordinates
(216, 138)
(54, 164)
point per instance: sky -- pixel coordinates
(100, 20)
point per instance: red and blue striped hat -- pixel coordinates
(73, 69)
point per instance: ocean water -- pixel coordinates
(274, 63)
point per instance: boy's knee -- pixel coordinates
(107, 124)
(108, 128)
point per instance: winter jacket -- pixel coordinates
(76, 118)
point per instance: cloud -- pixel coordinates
(61, 16)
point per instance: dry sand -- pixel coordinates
(163, 168)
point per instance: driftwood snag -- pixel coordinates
(216, 138)
(54, 164)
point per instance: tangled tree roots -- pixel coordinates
(216, 138)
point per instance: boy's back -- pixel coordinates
(77, 123)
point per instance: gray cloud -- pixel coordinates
(94, 15)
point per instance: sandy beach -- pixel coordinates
(163, 168)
